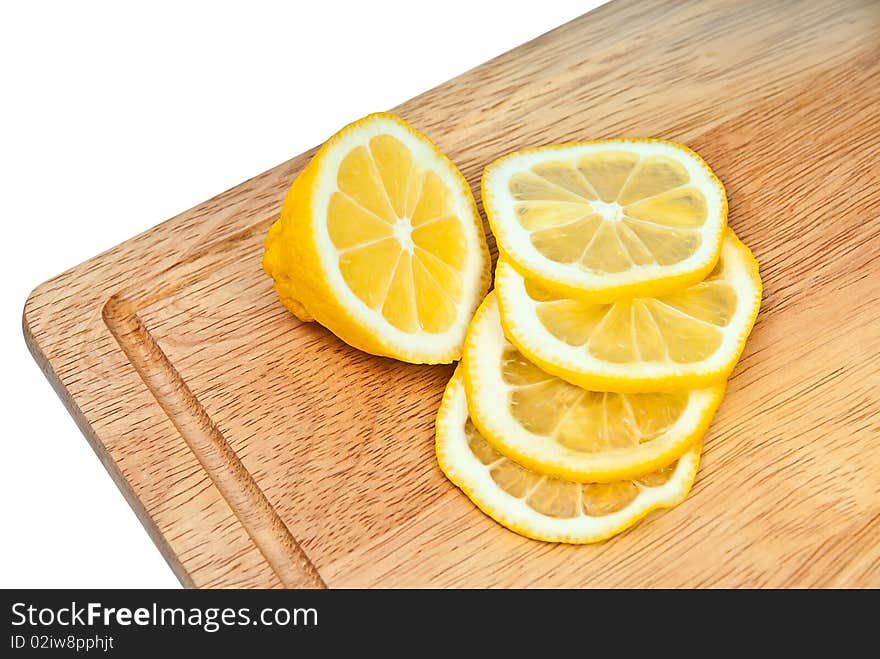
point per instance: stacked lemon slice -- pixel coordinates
(591, 373)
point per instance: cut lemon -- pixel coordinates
(691, 338)
(556, 428)
(543, 507)
(601, 220)
(380, 241)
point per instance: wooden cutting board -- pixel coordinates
(260, 451)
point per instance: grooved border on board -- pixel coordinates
(234, 482)
(104, 456)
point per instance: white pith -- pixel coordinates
(403, 229)
(610, 211)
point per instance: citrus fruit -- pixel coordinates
(605, 219)
(380, 241)
(559, 429)
(688, 339)
(543, 507)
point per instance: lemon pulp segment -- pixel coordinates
(402, 249)
(580, 419)
(610, 211)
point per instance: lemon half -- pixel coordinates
(380, 241)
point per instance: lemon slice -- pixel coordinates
(601, 220)
(380, 241)
(543, 507)
(556, 428)
(691, 338)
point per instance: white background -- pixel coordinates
(115, 117)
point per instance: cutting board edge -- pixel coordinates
(118, 312)
(92, 438)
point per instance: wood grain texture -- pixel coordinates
(260, 451)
